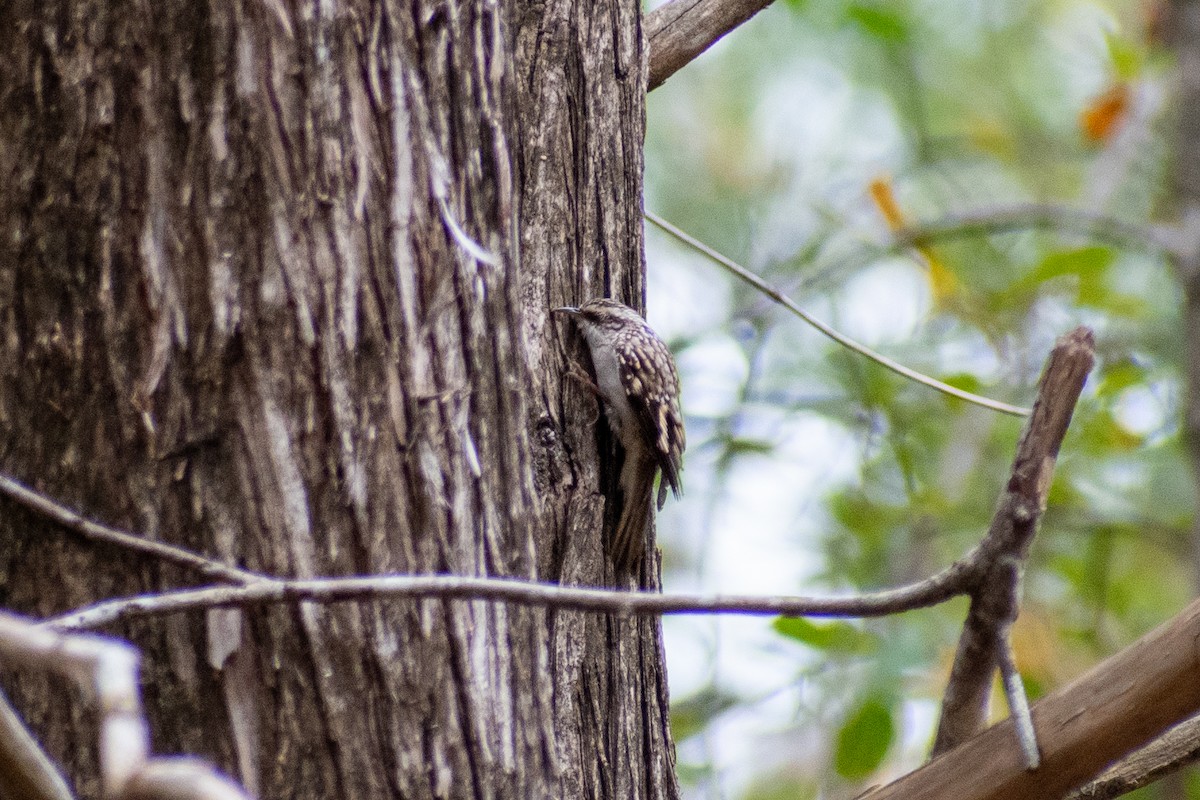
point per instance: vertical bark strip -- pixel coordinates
(239, 311)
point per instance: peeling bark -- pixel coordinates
(241, 310)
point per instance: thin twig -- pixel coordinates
(1018, 703)
(97, 532)
(783, 300)
(948, 583)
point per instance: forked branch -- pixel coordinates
(107, 669)
(1001, 556)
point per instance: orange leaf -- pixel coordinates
(1101, 118)
(942, 281)
(885, 201)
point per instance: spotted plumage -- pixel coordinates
(637, 381)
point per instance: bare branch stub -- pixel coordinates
(1001, 556)
(680, 30)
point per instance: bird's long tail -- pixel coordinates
(629, 537)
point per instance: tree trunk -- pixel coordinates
(241, 311)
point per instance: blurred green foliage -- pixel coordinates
(767, 148)
(864, 738)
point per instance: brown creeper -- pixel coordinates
(636, 379)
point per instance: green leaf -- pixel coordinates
(738, 446)
(692, 714)
(878, 22)
(868, 521)
(864, 739)
(835, 637)
(965, 381)
(1100, 434)
(1086, 262)
(1088, 266)
(783, 785)
(1120, 375)
(1127, 57)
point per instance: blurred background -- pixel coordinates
(795, 146)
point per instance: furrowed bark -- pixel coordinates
(272, 287)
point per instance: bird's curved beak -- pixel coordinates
(565, 310)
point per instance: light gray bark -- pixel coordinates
(235, 314)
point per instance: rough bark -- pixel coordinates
(239, 312)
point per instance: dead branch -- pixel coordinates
(25, 769)
(108, 670)
(1002, 554)
(680, 30)
(1119, 705)
(1175, 749)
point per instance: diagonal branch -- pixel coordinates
(1119, 705)
(680, 30)
(779, 297)
(1175, 749)
(25, 769)
(98, 532)
(1002, 554)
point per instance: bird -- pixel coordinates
(638, 385)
